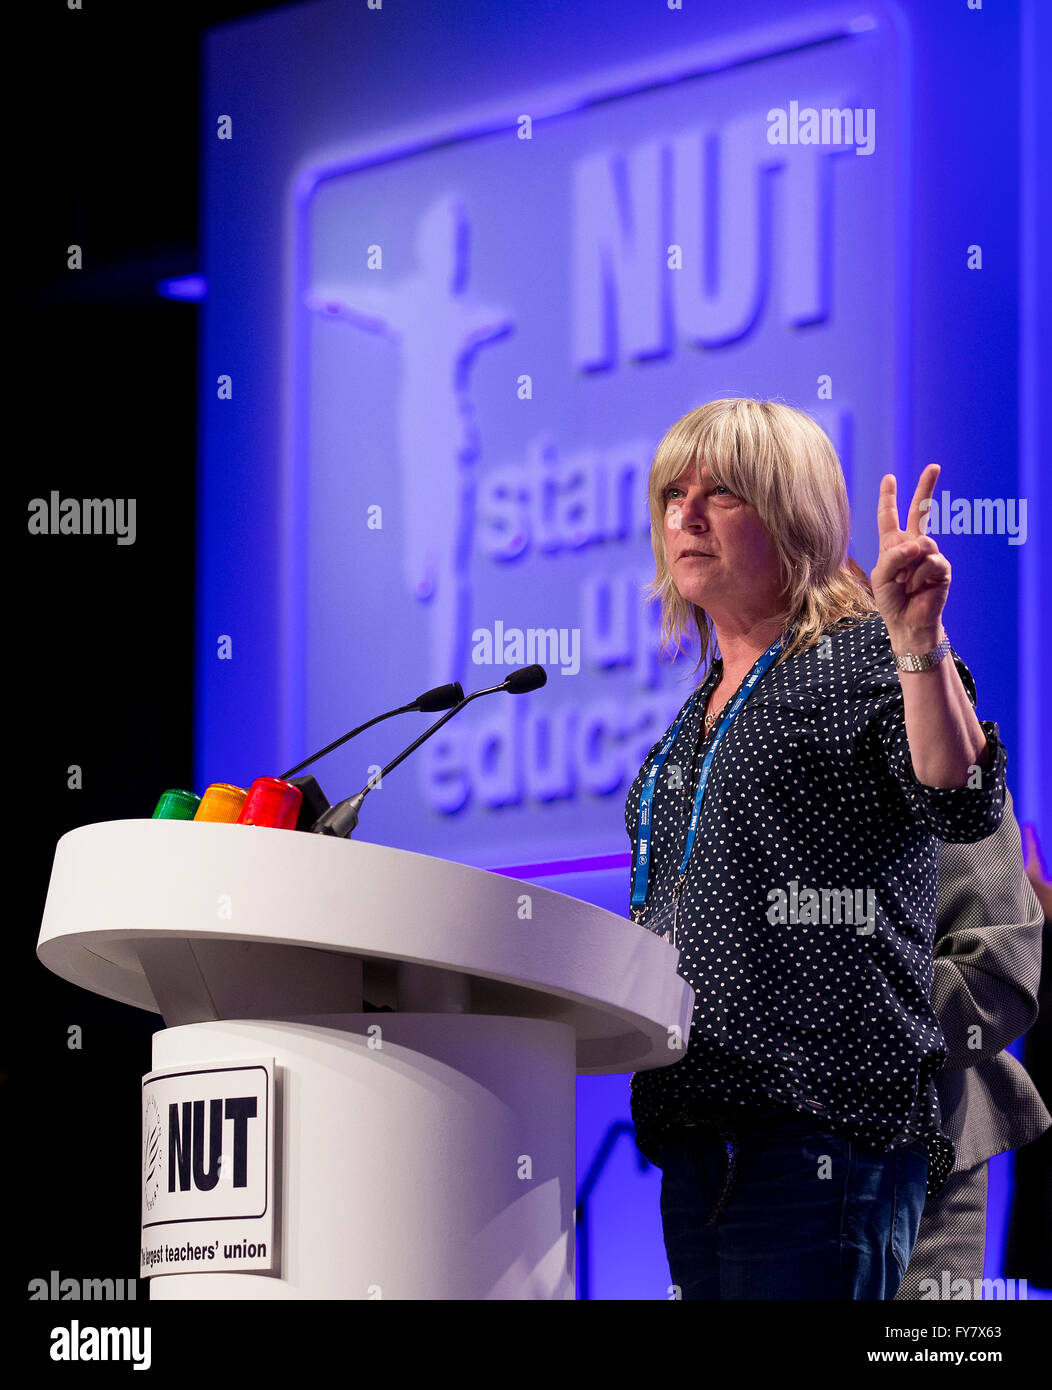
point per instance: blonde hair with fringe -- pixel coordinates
(783, 463)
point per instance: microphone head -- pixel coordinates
(525, 679)
(442, 697)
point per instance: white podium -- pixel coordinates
(437, 1165)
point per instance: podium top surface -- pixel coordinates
(286, 915)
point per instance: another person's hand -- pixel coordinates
(1036, 871)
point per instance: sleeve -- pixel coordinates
(957, 814)
(988, 946)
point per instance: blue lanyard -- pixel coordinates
(642, 869)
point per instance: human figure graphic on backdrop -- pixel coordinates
(439, 332)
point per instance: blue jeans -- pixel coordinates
(808, 1215)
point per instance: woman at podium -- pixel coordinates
(785, 834)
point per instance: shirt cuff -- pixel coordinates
(965, 814)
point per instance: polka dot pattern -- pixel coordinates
(812, 784)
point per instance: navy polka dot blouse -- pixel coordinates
(806, 995)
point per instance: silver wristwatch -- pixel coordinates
(923, 661)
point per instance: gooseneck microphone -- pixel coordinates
(341, 820)
(441, 697)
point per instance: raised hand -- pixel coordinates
(911, 579)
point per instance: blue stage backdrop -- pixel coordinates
(461, 277)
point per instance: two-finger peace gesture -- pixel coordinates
(911, 578)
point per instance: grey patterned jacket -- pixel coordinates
(987, 964)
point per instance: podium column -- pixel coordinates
(418, 1156)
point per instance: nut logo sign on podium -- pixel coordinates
(208, 1169)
